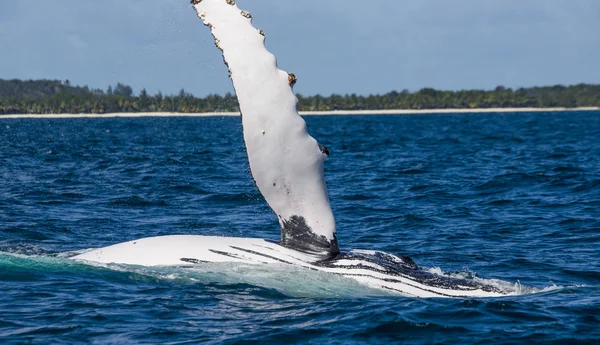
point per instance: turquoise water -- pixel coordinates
(509, 197)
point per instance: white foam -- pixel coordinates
(508, 288)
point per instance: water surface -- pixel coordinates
(512, 197)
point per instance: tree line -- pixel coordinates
(55, 96)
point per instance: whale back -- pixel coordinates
(285, 161)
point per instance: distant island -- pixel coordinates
(60, 97)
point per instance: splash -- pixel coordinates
(507, 288)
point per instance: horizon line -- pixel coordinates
(310, 113)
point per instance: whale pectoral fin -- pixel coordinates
(285, 161)
(297, 235)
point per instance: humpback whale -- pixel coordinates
(287, 166)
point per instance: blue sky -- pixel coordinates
(333, 46)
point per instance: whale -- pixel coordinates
(287, 165)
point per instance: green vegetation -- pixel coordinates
(54, 96)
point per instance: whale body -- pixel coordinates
(397, 274)
(287, 166)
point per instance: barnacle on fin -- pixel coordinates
(230, 2)
(218, 44)
(292, 79)
(262, 33)
(246, 14)
(195, 2)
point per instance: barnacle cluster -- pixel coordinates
(292, 79)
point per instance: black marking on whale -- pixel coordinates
(249, 251)
(297, 235)
(231, 255)
(324, 150)
(234, 255)
(388, 261)
(402, 267)
(193, 261)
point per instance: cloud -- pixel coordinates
(341, 46)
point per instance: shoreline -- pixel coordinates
(309, 113)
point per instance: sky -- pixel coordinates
(333, 46)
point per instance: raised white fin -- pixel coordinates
(286, 162)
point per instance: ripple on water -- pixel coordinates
(512, 199)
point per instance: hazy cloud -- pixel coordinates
(340, 46)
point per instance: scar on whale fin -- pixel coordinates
(324, 150)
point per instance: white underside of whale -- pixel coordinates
(186, 250)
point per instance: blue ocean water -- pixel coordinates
(513, 197)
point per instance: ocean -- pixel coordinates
(509, 197)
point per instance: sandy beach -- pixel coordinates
(308, 113)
